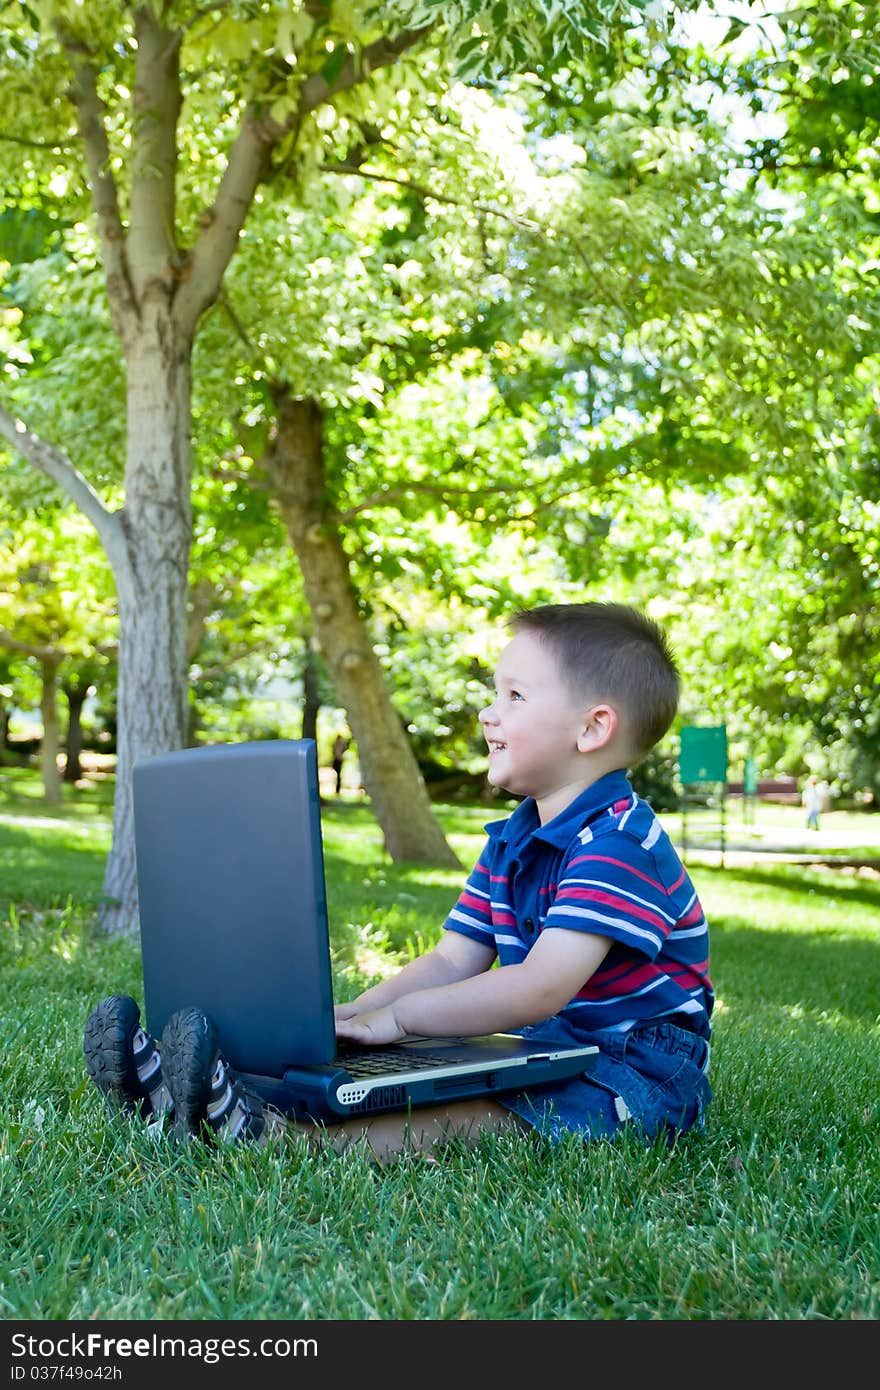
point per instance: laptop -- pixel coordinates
(233, 917)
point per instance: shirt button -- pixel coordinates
(529, 925)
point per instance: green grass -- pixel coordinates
(771, 1213)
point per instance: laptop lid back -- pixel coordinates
(232, 898)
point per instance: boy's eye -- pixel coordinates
(515, 695)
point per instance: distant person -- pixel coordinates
(341, 745)
(578, 896)
(813, 799)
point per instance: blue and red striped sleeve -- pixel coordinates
(472, 914)
(621, 898)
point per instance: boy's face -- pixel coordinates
(533, 724)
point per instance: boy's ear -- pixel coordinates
(601, 723)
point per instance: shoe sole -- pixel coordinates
(189, 1055)
(107, 1047)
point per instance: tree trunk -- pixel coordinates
(49, 744)
(157, 292)
(151, 579)
(391, 775)
(201, 599)
(76, 698)
(311, 694)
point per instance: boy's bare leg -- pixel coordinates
(420, 1131)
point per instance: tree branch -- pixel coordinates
(51, 655)
(203, 13)
(152, 249)
(235, 320)
(248, 164)
(200, 599)
(237, 475)
(209, 672)
(222, 223)
(32, 144)
(388, 496)
(54, 464)
(424, 192)
(382, 53)
(310, 6)
(90, 120)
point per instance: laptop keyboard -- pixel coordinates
(372, 1061)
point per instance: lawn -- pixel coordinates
(771, 1213)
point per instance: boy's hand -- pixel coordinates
(345, 1010)
(375, 1027)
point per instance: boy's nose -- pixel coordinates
(487, 714)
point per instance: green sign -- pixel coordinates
(703, 753)
(750, 777)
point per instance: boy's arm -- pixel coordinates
(455, 957)
(557, 966)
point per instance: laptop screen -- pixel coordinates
(232, 898)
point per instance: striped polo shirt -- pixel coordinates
(603, 865)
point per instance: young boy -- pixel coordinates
(578, 895)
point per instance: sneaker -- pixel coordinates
(207, 1099)
(122, 1059)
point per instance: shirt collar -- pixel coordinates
(522, 824)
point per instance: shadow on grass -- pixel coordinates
(21, 793)
(807, 971)
(828, 881)
(46, 868)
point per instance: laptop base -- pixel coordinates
(331, 1093)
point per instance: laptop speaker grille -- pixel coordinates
(380, 1098)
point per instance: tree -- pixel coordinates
(55, 610)
(817, 72)
(355, 495)
(77, 684)
(165, 263)
(151, 87)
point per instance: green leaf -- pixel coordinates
(334, 64)
(281, 109)
(27, 234)
(734, 29)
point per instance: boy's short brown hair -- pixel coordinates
(609, 651)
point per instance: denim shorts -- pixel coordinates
(654, 1078)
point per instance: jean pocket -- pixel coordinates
(664, 1091)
